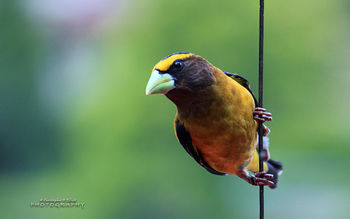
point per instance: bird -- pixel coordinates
(217, 118)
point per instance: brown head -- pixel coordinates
(180, 76)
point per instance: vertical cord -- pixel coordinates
(260, 130)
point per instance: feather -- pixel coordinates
(185, 139)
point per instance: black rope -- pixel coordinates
(260, 129)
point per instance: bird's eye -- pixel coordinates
(178, 65)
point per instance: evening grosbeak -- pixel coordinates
(216, 119)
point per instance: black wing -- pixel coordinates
(185, 139)
(242, 81)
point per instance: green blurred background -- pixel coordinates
(75, 121)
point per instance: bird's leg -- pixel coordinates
(260, 114)
(259, 179)
(266, 130)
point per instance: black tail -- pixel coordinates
(275, 168)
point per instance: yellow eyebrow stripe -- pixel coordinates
(165, 64)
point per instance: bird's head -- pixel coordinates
(180, 73)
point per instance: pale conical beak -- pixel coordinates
(159, 83)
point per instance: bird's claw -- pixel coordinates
(262, 179)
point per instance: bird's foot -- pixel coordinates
(261, 179)
(261, 115)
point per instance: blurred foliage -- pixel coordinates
(112, 147)
(26, 127)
